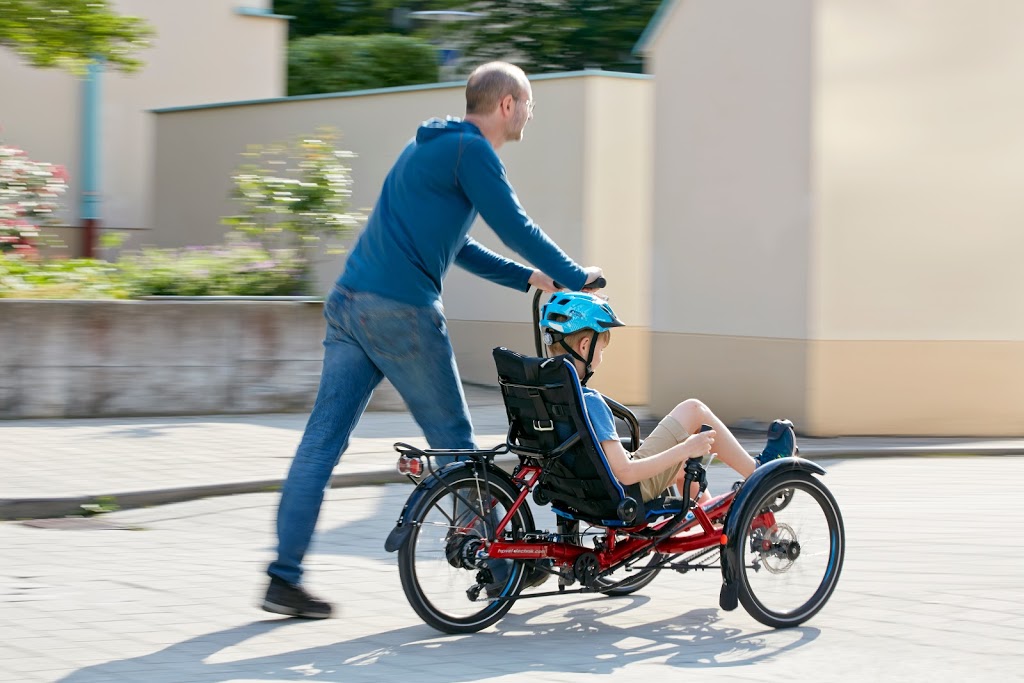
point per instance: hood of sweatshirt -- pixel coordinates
(435, 128)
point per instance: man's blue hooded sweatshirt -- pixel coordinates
(444, 177)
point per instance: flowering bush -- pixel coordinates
(299, 194)
(29, 194)
(292, 195)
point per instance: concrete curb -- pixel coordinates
(41, 508)
(44, 508)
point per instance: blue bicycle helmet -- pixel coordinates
(569, 312)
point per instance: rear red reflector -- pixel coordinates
(410, 466)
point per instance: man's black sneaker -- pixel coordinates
(294, 601)
(781, 442)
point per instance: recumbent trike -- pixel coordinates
(468, 545)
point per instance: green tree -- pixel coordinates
(71, 33)
(539, 35)
(327, 63)
(558, 35)
(357, 17)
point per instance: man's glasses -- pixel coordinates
(530, 104)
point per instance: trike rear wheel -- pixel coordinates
(435, 564)
(791, 555)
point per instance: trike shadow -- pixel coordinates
(575, 638)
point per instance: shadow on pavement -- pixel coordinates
(549, 640)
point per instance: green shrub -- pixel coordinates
(25, 278)
(327, 63)
(234, 269)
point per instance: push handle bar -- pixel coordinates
(599, 283)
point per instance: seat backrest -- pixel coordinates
(548, 421)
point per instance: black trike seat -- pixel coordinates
(549, 424)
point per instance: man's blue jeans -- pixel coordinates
(368, 337)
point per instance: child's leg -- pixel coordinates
(691, 414)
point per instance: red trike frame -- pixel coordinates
(699, 531)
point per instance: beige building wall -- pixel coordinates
(617, 173)
(581, 172)
(732, 206)
(203, 51)
(837, 192)
(917, 303)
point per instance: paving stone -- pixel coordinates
(178, 601)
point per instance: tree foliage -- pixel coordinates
(539, 35)
(357, 17)
(71, 33)
(559, 35)
(326, 63)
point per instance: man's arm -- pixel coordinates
(479, 260)
(482, 177)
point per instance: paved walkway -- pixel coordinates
(51, 468)
(929, 593)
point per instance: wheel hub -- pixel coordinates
(461, 551)
(779, 548)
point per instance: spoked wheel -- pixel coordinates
(437, 564)
(792, 551)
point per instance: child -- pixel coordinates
(579, 324)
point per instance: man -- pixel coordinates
(384, 315)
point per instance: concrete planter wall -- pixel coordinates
(164, 357)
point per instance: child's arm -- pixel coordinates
(629, 471)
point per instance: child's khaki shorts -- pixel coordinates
(667, 434)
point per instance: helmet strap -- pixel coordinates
(586, 361)
(590, 358)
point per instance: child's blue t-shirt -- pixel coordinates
(601, 418)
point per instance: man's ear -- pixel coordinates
(508, 105)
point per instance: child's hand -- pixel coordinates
(699, 444)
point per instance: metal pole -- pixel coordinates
(89, 208)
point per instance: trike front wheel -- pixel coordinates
(790, 555)
(436, 564)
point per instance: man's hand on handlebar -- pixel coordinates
(593, 275)
(543, 282)
(595, 281)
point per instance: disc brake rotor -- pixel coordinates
(779, 548)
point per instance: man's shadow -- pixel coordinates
(564, 639)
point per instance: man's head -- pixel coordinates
(578, 323)
(499, 95)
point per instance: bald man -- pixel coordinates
(384, 314)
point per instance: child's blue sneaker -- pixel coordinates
(781, 442)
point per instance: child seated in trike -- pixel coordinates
(468, 545)
(580, 325)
